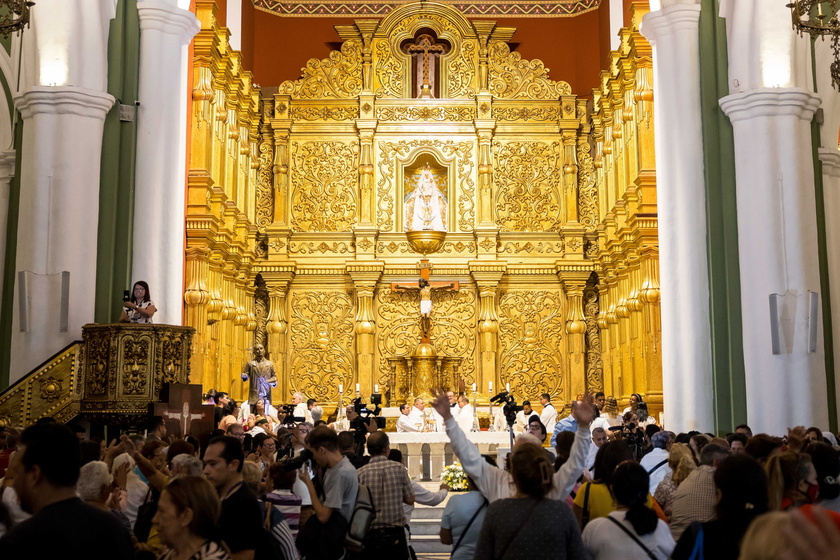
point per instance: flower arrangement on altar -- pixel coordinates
(454, 476)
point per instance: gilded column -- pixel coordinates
(365, 278)
(196, 300)
(574, 283)
(487, 276)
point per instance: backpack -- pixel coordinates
(269, 546)
(359, 526)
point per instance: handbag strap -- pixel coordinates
(519, 528)
(467, 528)
(585, 517)
(632, 536)
(697, 552)
(656, 467)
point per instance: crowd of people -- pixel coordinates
(262, 487)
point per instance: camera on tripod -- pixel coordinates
(365, 413)
(290, 419)
(509, 409)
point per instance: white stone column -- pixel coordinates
(831, 196)
(7, 171)
(158, 248)
(777, 241)
(673, 31)
(771, 106)
(57, 224)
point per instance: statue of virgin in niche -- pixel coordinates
(425, 206)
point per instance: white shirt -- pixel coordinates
(423, 497)
(600, 422)
(606, 541)
(499, 421)
(464, 417)
(405, 424)
(548, 417)
(522, 420)
(301, 411)
(651, 460)
(496, 484)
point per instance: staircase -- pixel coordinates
(425, 529)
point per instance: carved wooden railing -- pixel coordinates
(46, 391)
(112, 376)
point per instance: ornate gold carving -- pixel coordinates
(461, 71)
(312, 247)
(539, 247)
(594, 362)
(461, 151)
(587, 189)
(389, 71)
(425, 113)
(530, 332)
(50, 388)
(453, 332)
(337, 76)
(135, 358)
(321, 330)
(514, 78)
(528, 181)
(265, 182)
(324, 182)
(526, 113)
(325, 113)
(97, 361)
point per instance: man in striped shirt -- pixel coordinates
(389, 487)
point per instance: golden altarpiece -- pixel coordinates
(300, 197)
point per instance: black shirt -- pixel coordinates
(240, 523)
(68, 529)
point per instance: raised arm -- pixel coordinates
(569, 473)
(485, 476)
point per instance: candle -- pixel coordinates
(340, 388)
(473, 388)
(375, 388)
(489, 386)
(507, 387)
(357, 387)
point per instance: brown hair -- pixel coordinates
(784, 472)
(532, 472)
(197, 494)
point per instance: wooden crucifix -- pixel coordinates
(427, 50)
(184, 412)
(425, 286)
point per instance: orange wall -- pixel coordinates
(572, 48)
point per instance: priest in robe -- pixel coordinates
(464, 414)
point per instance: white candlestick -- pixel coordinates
(357, 387)
(375, 388)
(507, 387)
(489, 386)
(473, 388)
(340, 388)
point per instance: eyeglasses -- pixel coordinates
(269, 445)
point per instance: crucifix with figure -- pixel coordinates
(425, 287)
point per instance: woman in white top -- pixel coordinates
(632, 531)
(139, 308)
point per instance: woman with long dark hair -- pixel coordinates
(741, 485)
(632, 531)
(139, 307)
(595, 499)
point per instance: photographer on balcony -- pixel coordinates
(137, 307)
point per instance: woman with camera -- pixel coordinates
(137, 306)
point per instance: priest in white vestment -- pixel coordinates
(405, 423)
(464, 414)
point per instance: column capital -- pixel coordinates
(830, 158)
(167, 18)
(669, 20)
(64, 100)
(770, 102)
(7, 164)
